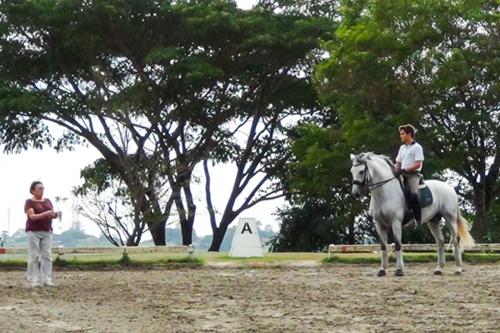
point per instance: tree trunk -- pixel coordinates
(187, 231)
(186, 220)
(157, 230)
(479, 226)
(219, 234)
(131, 241)
(208, 197)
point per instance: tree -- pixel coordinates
(3, 238)
(314, 225)
(318, 184)
(79, 79)
(107, 202)
(141, 80)
(257, 143)
(262, 155)
(430, 63)
(320, 8)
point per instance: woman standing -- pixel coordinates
(40, 213)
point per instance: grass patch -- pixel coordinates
(267, 258)
(352, 259)
(89, 261)
(13, 263)
(125, 261)
(369, 258)
(481, 257)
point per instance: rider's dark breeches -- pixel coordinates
(413, 180)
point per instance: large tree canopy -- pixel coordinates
(168, 81)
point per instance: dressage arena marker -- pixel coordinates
(246, 240)
(332, 248)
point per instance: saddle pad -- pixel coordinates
(425, 196)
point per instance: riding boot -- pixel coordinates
(417, 211)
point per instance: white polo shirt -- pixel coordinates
(409, 154)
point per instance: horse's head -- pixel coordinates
(370, 171)
(360, 175)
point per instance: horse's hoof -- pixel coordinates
(458, 272)
(381, 273)
(438, 273)
(399, 272)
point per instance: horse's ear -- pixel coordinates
(352, 157)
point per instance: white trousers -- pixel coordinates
(39, 257)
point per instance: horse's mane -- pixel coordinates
(363, 157)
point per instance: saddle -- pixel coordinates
(424, 194)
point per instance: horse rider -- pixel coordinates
(409, 164)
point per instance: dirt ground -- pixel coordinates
(332, 298)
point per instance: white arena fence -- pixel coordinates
(375, 248)
(60, 250)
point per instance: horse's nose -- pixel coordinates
(355, 195)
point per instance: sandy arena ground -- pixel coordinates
(336, 298)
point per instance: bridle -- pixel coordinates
(366, 181)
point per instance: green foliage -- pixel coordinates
(316, 224)
(390, 60)
(321, 161)
(98, 177)
(321, 8)
(493, 220)
(318, 183)
(136, 79)
(420, 235)
(125, 260)
(433, 64)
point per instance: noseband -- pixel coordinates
(366, 181)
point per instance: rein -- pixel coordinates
(366, 181)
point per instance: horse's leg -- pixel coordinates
(451, 220)
(438, 236)
(384, 259)
(396, 231)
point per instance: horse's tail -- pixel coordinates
(466, 240)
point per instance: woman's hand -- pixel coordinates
(50, 214)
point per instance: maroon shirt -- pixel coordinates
(39, 207)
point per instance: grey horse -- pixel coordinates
(388, 207)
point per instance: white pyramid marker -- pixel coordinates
(246, 239)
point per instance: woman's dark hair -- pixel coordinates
(408, 129)
(33, 185)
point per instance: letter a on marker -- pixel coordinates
(246, 227)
